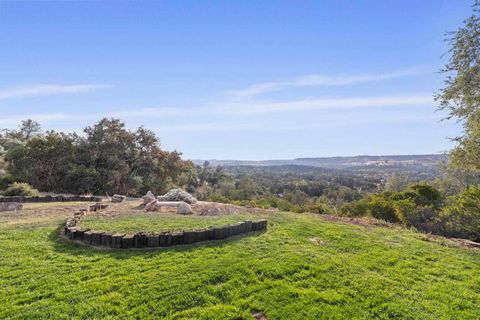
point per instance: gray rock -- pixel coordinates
(179, 207)
(178, 195)
(118, 198)
(149, 197)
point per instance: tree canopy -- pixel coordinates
(108, 159)
(461, 94)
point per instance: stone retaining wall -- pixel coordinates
(22, 199)
(151, 240)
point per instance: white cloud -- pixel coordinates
(48, 90)
(244, 108)
(321, 80)
(226, 110)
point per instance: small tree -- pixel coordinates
(461, 94)
(462, 217)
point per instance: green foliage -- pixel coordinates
(6, 181)
(415, 206)
(461, 96)
(375, 206)
(44, 161)
(397, 182)
(451, 181)
(110, 159)
(20, 189)
(461, 218)
(128, 162)
(27, 130)
(420, 217)
(424, 194)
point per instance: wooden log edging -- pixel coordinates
(23, 199)
(73, 232)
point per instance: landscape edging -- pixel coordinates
(22, 199)
(153, 240)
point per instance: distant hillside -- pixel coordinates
(427, 160)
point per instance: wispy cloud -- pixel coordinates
(229, 110)
(14, 121)
(321, 80)
(244, 108)
(48, 90)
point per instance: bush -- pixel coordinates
(426, 195)
(461, 218)
(319, 207)
(355, 209)
(376, 206)
(380, 208)
(20, 189)
(422, 218)
(6, 181)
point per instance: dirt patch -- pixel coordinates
(361, 221)
(204, 208)
(258, 315)
(34, 214)
(317, 241)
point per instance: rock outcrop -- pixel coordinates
(149, 197)
(118, 198)
(178, 207)
(178, 195)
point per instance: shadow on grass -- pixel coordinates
(64, 245)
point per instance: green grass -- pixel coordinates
(155, 222)
(303, 267)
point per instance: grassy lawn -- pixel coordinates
(303, 267)
(157, 222)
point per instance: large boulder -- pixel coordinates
(149, 197)
(118, 198)
(178, 195)
(179, 207)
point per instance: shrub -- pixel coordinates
(355, 209)
(319, 207)
(218, 198)
(425, 195)
(376, 206)
(462, 217)
(20, 189)
(6, 181)
(380, 208)
(420, 217)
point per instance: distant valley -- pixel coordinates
(357, 163)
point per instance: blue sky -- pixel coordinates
(235, 79)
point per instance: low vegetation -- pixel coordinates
(303, 267)
(423, 207)
(20, 189)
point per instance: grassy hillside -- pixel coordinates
(303, 267)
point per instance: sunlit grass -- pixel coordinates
(302, 267)
(157, 222)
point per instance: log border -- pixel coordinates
(23, 199)
(113, 240)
